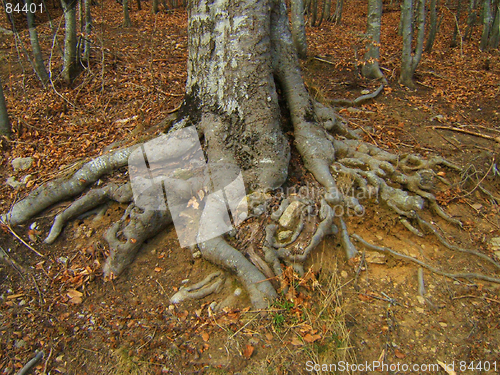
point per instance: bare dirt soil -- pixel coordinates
(369, 309)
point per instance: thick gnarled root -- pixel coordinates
(64, 188)
(259, 289)
(199, 290)
(92, 199)
(127, 235)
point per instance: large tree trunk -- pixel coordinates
(371, 68)
(35, 45)
(487, 21)
(411, 22)
(237, 51)
(126, 16)
(298, 27)
(4, 117)
(70, 57)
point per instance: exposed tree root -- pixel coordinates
(386, 250)
(199, 290)
(441, 239)
(222, 100)
(259, 289)
(359, 100)
(135, 227)
(92, 199)
(64, 188)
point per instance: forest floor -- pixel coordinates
(353, 312)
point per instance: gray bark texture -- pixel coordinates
(87, 30)
(298, 27)
(371, 67)
(433, 26)
(487, 21)
(154, 7)
(5, 128)
(126, 16)
(70, 57)
(495, 29)
(337, 16)
(411, 23)
(40, 70)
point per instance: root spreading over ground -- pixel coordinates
(402, 183)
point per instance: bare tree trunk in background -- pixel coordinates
(70, 56)
(495, 31)
(371, 67)
(457, 25)
(5, 128)
(337, 16)
(433, 27)
(39, 64)
(314, 12)
(328, 8)
(409, 60)
(87, 30)
(139, 7)
(471, 19)
(126, 16)
(299, 28)
(322, 15)
(487, 21)
(154, 7)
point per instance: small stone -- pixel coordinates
(419, 310)
(197, 255)
(443, 324)
(284, 235)
(343, 274)
(365, 92)
(421, 300)
(21, 164)
(291, 215)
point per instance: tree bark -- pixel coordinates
(409, 60)
(457, 25)
(487, 20)
(35, 46)
(495, 30)
(299, 28)
(433, 26)
(87, 30)
(70, 57)
(5, 128)
(126, 16)
(337, 16)
(154, 7)
(371, 67)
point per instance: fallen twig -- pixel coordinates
(24, 242)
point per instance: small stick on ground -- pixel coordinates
(24, 242)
